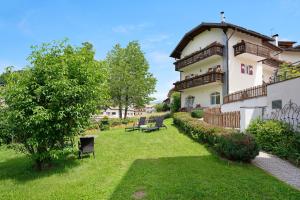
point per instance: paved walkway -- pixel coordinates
(281, 169)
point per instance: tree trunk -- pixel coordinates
(120, 111)
(126, 106)
(125, 112)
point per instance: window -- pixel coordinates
(277, 104)
(246, 69)
(215, 98)
(113, 113)
(189, 101)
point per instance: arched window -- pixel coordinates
(189, 101)
(215, 98)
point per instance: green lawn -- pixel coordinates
(160, 165)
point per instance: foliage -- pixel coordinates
(162, 107)
(175, 102)
(51, 101)
(223, 140)
(238, 146)
(104, 124)
(198, 113)
(287, 71)
(277, 137)
(5, 135)
(130, 81)
(164, 165)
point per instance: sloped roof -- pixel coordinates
(206, 26)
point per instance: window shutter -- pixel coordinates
(242, 68)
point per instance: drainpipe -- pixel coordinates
(226, 62)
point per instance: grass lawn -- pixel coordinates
(158, 165)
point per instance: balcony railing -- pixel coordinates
(272, 62)
(247, 47)
(199, 80)
(248, 93)
(213, 49)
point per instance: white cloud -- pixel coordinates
(24, 27)
(159, 58)
(125, 29)
(152, 41)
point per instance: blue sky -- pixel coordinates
(157, 24)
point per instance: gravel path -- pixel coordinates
(281, 169)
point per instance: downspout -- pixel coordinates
(227, 61)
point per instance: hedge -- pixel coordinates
(228, 143)
(277, 137)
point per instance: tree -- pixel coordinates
(52, 100)
(130, 82)
(287, 71)
(175, 102)
(162, 107)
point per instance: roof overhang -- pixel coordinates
(207, 26)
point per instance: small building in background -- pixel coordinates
(113, 112)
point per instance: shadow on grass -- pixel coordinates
(21, 168)
(197, 177)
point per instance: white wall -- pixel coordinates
(237, 80)
(202, 94)
(236, 106)
(285, 91)
(202, 40)
(247, 115)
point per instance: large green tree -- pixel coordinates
(130, 81)
(52, 100)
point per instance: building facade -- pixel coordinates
(217, 59)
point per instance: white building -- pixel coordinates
(217, 59)
(113, 112)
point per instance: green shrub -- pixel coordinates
(162, 107)
(175, 102)
(225, 141)
(238, 146)
(276, 137)
(198, 113)
(104, 124)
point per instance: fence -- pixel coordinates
(290, 113)
(248, 93)
(214, 116)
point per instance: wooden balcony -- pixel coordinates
(199, 80)
(212, 49)
(272, 62)
(254, 49)
(248, 93)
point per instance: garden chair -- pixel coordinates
(142, 121)
(86, 146)
(158, 124)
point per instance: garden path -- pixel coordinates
(279, 168)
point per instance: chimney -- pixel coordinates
(222, 17)
(275, 37)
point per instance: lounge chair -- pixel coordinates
(142, 121)
(86, 146)
(158, 124)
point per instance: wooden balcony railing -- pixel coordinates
(212, 49)
(247, 47)
(199, 80)
(248, 93)
(273, 62)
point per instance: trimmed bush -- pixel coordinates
(229, 143)
(238, 146)
(198, 113)
(277, 137)
(104, 124)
